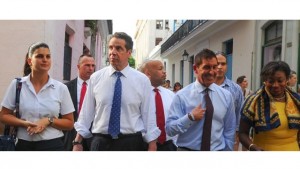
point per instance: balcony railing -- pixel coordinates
(184, 30)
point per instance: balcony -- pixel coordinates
(184, 30)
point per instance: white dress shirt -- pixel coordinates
(136, 113)
(167, 98)
(79, 86)
(53, 99)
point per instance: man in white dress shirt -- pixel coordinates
(137, 117)
(155, 70)
(86, 67)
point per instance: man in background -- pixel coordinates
(163, 97)
(77, 88)
(233, 88)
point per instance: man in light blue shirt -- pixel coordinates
(187, 112)
(233, 88)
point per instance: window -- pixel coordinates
(167, 24)
(159, 24)
(157, 40)
(191, 61)
(67, 58)
(273, 32)
(273, 42)
(228, 46)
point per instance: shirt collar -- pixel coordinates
(200, 88)
(159, 88)
(226, 82)
(50, 82)
(80, 81)
(125, 71)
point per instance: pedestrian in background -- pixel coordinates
(168, 85)
(243, 83)
(292, 81)
(163, 97)
(233, 88)
(177, 87)
(118, 102)
(202, 113)
(42, 99)
(77, 88)
(273, 112)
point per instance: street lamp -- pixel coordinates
(185, 55)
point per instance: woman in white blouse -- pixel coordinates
(42, 100)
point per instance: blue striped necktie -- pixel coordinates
(114, 120)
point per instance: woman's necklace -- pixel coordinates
(279, 98)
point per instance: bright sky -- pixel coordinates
(125, 25)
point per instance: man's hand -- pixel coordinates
(198, 112)
(78, 147)
(152, 146)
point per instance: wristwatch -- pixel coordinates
(50, 119)
(191, 117)
(76, 142)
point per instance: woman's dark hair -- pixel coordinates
(240, 79)
(35, 46)
(32, 48)
(124, 36)
(26, 69)
(270, 68)
(176, 84)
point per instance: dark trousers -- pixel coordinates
(44, 145)
(125, 142)
(166, 146)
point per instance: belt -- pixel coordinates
(120, 136)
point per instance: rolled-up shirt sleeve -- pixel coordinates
(86, 115)
(148, 115)
(177, 121)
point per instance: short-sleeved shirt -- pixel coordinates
(53, 99)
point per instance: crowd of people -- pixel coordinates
(119, 108)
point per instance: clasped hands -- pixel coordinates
(36, 127)
(198, 112)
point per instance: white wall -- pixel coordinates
(17, 36)
(212, 35)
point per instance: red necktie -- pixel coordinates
(205, 144)
(82, 93)
(160, 117)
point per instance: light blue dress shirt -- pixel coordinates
(190, 132)
(238, 98)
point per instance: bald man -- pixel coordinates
(155, 71)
